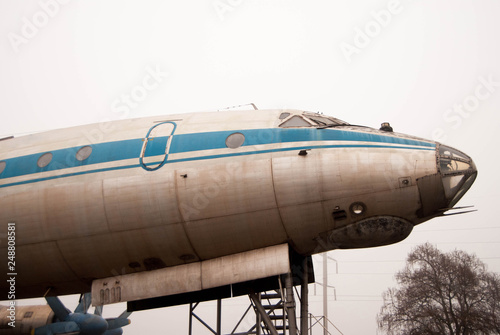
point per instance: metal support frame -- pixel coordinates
(307, 321)
(304, 295)
(192, 314)
(290, 304)
(263, 314)
(275, 311)
(320, 321)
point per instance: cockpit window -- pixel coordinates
(295, 121)
(284, 116)
(309, 120)
(451, 165)
(323, 120)
(458, 173)
(445, 151)
(452, 160)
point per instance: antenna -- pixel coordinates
(250, 104)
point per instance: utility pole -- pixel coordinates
(325, 293)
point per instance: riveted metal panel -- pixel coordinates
(34, 268)
(75, 209)
(215, 190)
(64, 210)
(21, 209)
(297, 179)
(128, 251)
(235, 233)
(303, 224)
(146, 199)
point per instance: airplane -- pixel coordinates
(166, 210)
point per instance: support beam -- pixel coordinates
(325, 293)
(304, 293)
(258, 320)
(279, 314)
(219, 317)
(192, 314)
(290, 305)
(191, 309)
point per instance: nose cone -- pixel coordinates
(456, 173)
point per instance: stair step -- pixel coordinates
(277, 306)
(277, 317)
(281, 327)
(271, 296)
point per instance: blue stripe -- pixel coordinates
(293, 149)
(217, 140)
(66, 158)
(130, 149)
(213, 157)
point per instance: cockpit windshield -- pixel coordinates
(458, 173)
(309, 120)
(452, 160)
(322, 120)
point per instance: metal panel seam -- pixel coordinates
(78, 278)
(277, 203)
(104, 206)
(183, 220)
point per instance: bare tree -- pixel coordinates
(442, 293)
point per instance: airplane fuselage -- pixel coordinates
(137, 195)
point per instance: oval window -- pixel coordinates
(235, 140)
(44, 160)
(84, 153)
(2, 166)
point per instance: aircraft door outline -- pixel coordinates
(156, 143)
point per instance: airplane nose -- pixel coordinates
(456, 174)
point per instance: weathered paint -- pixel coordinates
(108, 215)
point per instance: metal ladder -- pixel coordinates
(274, 304)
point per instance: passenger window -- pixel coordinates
(44, 160)
(235, 140)
(84, 153)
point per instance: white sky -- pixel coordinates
(73, 62)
